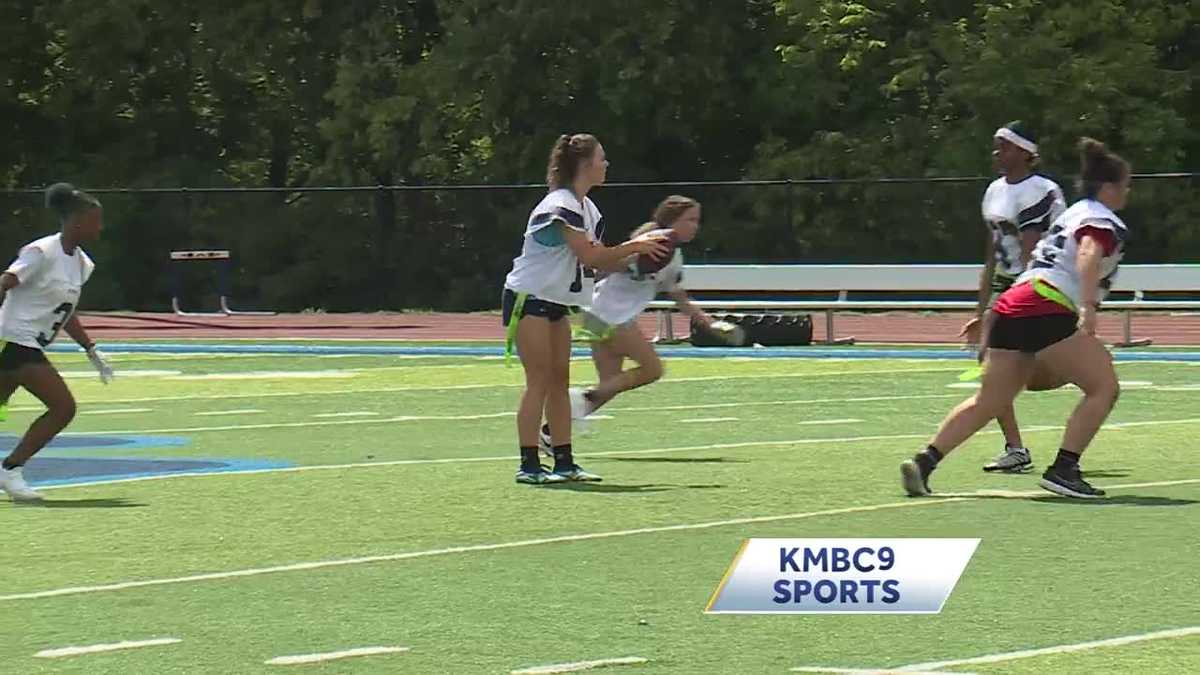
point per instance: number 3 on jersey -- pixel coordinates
(1049, 247)
(65, 311)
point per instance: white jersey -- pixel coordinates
(548, 268)
(34, 312)
(1011, 208)
(620, 297)
(1055, 257)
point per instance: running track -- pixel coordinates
(890, 327)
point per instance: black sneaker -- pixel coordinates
(915, 479)
(1068, 483)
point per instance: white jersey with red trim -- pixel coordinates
(1054, 259)
(50, 283)
(621, 297)
(1011, 208)
(547, 268)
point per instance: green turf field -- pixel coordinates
(403, 526)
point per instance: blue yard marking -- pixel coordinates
(42, 471)
(85, 441)
(668, 351)
(71, 459)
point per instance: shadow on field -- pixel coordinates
(615, 488)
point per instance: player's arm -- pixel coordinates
(685, 305)
(1035, 220)
(1087, 264)
(8, 281)
(608, 258)
(1030, 237)
(985, 277)
(74, 328)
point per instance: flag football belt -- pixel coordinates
(1047, 291)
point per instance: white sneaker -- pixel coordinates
(579, 403)
(13, 482)
(1012, 460)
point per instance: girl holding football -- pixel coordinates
(545, 284)
(619, 298)
(1049, 316)
(38, 295)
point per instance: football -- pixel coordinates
(647, 264)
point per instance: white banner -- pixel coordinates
(842, 576)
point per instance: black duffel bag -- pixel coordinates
(768, 330)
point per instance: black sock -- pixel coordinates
(8, 464)
(590, 395)
(529, 459)
(1066, 459)
(563, 457)
(928, 459)
(546, 429)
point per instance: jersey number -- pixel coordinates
(1046, 259)
(63, 309)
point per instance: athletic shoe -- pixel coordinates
(1012, 460)
(914, 479)
(545, 445)
(579, 403)
(577, 474)
(539, 477)
(13, 482)
(1069, 483)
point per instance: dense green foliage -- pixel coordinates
(266, 93)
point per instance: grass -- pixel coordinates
(1048, 571)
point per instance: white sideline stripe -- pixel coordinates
(608, 453)
(359, 413)
(332, 656)
(812, 401)
(457, 387)
(212, 413)
(875, 671)
(115, 411)
(488, 416)
(268, 375)
(1060, 649)
(581, 665)
(704, 420)
(342, 562)
(95, 649)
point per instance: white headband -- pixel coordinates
(1017, 140)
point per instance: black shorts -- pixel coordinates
(13, 356)
(1031, 334)
(533, 307)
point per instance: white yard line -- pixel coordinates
(578, 666)
(301, 659)
(96, 649)
(477, 548)
(1060, 649)
(244, 411)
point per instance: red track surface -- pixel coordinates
(894, 327)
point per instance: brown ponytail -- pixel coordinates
(566, 156)
(1098, 165)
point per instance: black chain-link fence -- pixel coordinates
(448, 247)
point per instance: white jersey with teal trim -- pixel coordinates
(35, 310)
(621, 297)
(1054, 259)
(547, 268)
(1011, 208)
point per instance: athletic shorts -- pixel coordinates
(1031, 334)
(533, 307)
(13, 356)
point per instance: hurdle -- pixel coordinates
(223, 259)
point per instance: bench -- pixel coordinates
(840, 281)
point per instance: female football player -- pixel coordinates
(1018, 207)
(38, 295)
(1049, 314)
(545, 283)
